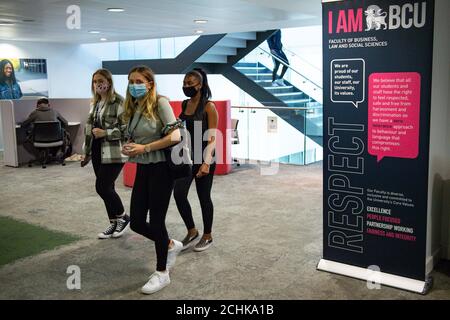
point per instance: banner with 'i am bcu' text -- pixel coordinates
(377, 92)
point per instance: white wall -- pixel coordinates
(439, 168)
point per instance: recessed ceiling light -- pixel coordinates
(94, 31)
(199, 21)
(103, 39)
(6, 23)
(116, 9)
(199, 31)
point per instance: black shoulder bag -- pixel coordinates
(178, 156)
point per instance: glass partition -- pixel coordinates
(277, 134)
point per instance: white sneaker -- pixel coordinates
(275, 83)
(280, 82)
(156, 282)
(173, 253)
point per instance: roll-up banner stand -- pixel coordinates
(377, 60)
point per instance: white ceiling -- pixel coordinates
(147, 19)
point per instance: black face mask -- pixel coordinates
(190, 91)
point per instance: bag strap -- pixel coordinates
(184, 105)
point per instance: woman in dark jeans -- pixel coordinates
(199, 114)
(104, 134)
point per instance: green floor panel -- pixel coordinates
(20, 239)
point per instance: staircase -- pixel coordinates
(310, 122)
(227, 47)
(256, 79)
(221, 54)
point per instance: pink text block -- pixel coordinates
(394, 115)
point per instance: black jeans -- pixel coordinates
(151, 192)
(282, 56)
(106, 175)
(203, 185)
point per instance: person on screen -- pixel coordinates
(9, 88)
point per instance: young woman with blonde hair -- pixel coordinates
(152, 127)
(103, 143)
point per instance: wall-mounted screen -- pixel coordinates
(23, 77)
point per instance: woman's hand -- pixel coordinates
(98, 133)
(133, 149)
(203, 171)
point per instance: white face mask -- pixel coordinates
(43, 105)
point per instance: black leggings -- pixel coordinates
(203, 185)
(106, 175)
(151, 192)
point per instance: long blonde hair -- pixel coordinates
(111, 95)
(150, 109)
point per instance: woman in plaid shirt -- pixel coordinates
(104, 136)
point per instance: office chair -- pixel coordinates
(235, 137)
(47, 136)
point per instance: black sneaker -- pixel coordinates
(188, 241)
(122, 225)
(108, 232)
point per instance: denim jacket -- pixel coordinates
(10, 92)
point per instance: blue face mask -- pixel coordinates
(137, 90)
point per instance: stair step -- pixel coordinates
(242, 35)
(259, 81)
(250, 68)
(229, 51)
(212, 58)
(287, 94)
(232, 42)
(258, 74)
(247, 64)
(278, 88)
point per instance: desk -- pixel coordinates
(14, 112)
(24, 155)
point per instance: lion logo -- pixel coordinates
(375, 18)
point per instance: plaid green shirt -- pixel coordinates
(111, 122)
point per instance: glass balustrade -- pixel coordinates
(275, 134)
